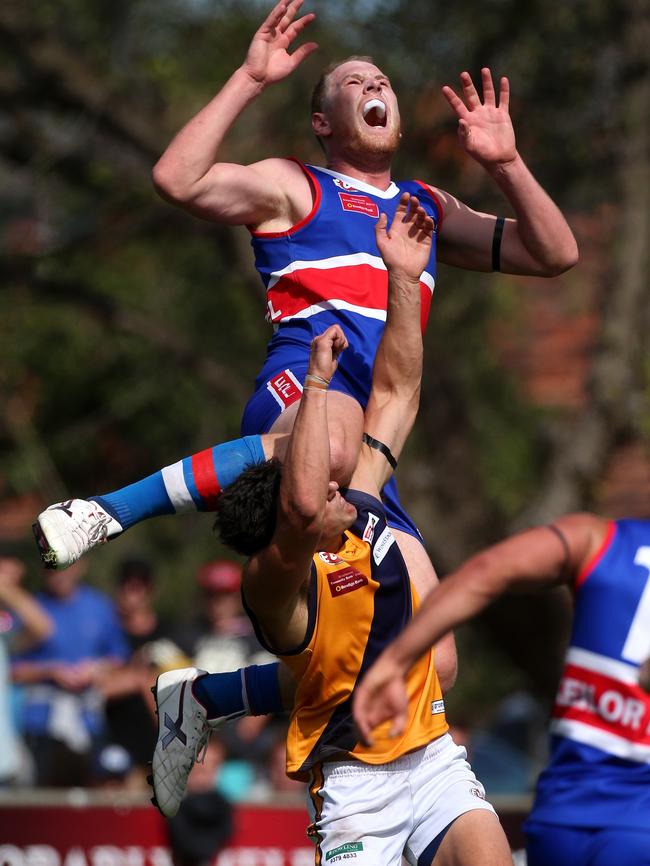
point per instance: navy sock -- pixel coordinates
(251, 691)
(263, 689)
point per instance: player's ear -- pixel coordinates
(320, 124)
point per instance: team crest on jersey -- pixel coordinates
(369, 531)
(329, 558)
(345, 580)
(359, 204)
(343, 185)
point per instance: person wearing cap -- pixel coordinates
(222, 640)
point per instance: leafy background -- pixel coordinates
(130, 333)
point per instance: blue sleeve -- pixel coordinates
(114, 643)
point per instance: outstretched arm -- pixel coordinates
(187, 173)
(538, 241)
(538, 557)
(275, 578)
(397, 372)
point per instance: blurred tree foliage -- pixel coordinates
(130, 333)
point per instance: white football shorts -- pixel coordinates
(373, 814)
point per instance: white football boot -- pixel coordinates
(67, 530)
(183, 734)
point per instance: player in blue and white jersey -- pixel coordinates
(313, 236)
(592, 806)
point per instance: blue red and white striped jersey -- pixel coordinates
(599, 771)
(327, 269)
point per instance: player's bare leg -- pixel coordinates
(475, 837)
(345, 420)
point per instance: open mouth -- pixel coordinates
(374, 112)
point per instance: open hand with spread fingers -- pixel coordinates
(405, 246)
(268, 59)
(484, 128)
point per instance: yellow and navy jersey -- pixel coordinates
(359, 600)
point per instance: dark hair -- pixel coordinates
(138, 570)
(246, 509)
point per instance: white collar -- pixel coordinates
(354, 182)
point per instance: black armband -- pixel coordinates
(496, 243)
(379, 446)
(564, 572)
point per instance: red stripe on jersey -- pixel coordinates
(205, 477)
(359, 285)
(604, 703)
(587, 569)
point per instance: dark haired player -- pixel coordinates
(326, 588)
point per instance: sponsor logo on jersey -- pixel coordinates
(285, 388)
(346, 580)
(477, 793)
(347, 848)
(344, 185)
(383, 545)
(437, 707)
(359, 204)
(599, 700)
(369, 531)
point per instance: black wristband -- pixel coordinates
(379, 446)
(496, 243)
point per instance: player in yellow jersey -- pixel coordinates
(327, 590)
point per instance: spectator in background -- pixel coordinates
(23, 622)
(274, 780)
(112, 768)
(222, 639)
(63, 710)
(127, 689)
(204, 823)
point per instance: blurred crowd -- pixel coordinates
(77, 666)
(76, 709)
(76, 670)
